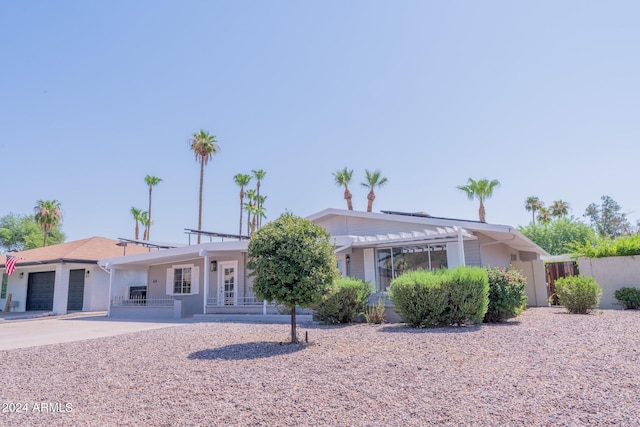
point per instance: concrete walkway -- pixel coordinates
(22, 330)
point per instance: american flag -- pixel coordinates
(10, 265)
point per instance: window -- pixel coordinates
(5, 278)
(392, 262)
(182, 280)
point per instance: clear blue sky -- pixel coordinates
(542, 95)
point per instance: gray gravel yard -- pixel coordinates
(543, 368)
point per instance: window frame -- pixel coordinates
(192, 286)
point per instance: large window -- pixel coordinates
(182, 280)
(392, 262)
(3, 292)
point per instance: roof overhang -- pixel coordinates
(174, 255)
(422, 238)
(499, 233)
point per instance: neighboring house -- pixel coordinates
(62, 278)
(377, 247)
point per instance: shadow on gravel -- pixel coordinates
(403, 328)
(245, 351)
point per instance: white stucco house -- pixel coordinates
(61, 278)
(376, 247)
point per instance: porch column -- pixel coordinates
(461, 247)
(206, 283)
(108, 267)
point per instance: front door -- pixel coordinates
(227, 280)
(76, 290)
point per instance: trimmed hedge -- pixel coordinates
(344, 302)
(628, 297)
(579, 294)
(442, 297)
(507, 296)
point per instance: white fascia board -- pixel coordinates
(369, 241)
(173, 254)
(436, 222)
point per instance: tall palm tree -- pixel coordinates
(146, 222)
(204, 146)
(259, 174)
(250, 194)
(48, 216)
(151, 181)
(258, 214)
(374, 179)
(559, 208)
(242, 180)
(481, 190)
(533, 204)
(544, 216)
(137, 216)
(343, 178)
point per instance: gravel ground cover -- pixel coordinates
(544, 368)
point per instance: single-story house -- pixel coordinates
(63, 277)
(376, 247)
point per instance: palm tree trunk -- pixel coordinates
(481, 212)
(241, 204)
(370, 198)
(348, 197)
(200, 198)
(258, 195)
(137, 230)
(148, 227)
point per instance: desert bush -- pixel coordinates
(628, 297)
(579, 294)
(507, 297)
(346, 300)
(443, 297)
(375, 313)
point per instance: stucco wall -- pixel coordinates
(611, 273)
(534, 272)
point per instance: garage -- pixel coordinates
(40, 290)
(76, 290)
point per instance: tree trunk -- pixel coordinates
(481, 212)
(348, 197)
(148, 228)
(137, 230)
(371, 197)
(294, 335)
(200, 198)
(241, 203)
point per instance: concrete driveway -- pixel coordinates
(22, 333)
(22, 330)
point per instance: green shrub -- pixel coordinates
(579, 294)
(418, 298)
(628, 297)
(507, 297)
(344, 302)
(468, 291)
(442, 297)
(607, 247)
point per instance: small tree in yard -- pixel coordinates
(292, 262)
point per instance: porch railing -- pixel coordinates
(120, 301)
(244, 301)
